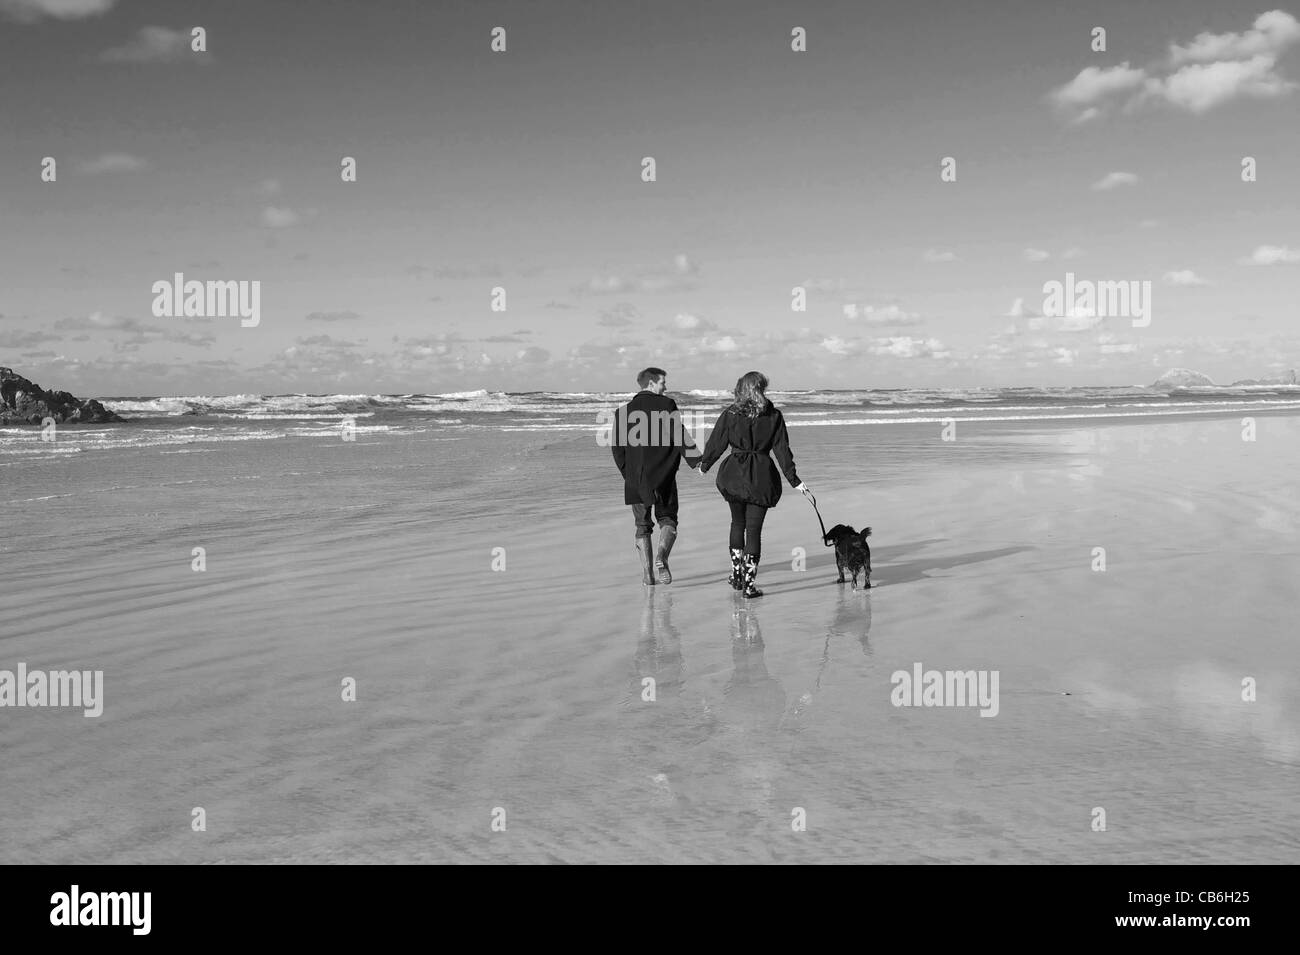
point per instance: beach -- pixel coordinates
(480, 587)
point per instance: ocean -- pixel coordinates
(182, 421)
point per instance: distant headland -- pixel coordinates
(1176, 378)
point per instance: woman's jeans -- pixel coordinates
(747, 527)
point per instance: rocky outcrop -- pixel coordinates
(1287, 379)
(1176, 378)
(24, 402)
(1181, 378)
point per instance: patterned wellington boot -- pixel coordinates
(750, 571)
(737, 578)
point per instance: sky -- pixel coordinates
(522, 170)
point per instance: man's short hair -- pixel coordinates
(649, 375)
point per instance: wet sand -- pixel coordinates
(521, 688)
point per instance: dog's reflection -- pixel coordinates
(659, 646)
(850, 620)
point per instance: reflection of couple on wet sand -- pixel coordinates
(742, 725)
(751, 689)
(659, 657)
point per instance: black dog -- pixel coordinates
(851, 551)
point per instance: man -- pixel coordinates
(649, 441)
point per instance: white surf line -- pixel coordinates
(938, 418)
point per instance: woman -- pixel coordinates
(754, 430)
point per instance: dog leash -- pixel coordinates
(813, 501)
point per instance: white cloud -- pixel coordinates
(1207, 72)
(277, 217)
(1274, 255)
(112, 162)
(268, 188)
(532, 355)
(1272, 32)
(678, 276)
(153, 44)
(1077, 320)
(1113, 179)
(1095, 83)
(1109, 344)
(1036, 255)
(1184, 277)
(1020, 310)
(1032, 344)
(1027, 319)
(906, 347)
(100, 320)
(687, 321)
(837, 346)
(29, 11)
(886, 316)
(724, 344)
(606, 285)
(1199, 87)
(932, 255)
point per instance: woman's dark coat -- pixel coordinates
(748, 474)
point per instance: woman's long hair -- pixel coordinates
(751, 394)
